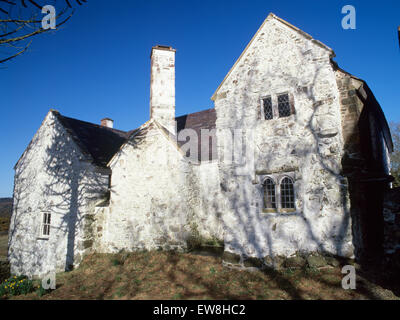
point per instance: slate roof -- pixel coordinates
(197, 121)
(102, 143)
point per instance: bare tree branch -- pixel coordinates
(36, 32)
(12, 32)
(17, 54)
(21, 20)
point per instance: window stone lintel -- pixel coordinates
(286, 170)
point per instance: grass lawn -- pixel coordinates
(169, 275)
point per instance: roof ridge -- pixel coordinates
(187, 114)
(99, 142)
(93, 124)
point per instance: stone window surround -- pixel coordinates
(277, 179)
(274, 98)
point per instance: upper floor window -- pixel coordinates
(277, 106)
(268, 112)
(284, 107)
(46, 222)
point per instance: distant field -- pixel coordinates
(4, 224)
(3, 246)
(5, 214)
(5, 207)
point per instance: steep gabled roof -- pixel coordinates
(270, 17)
(100, 142)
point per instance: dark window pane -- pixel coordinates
(284, 105)
(287, 194)
(269, 194)
(268, 114)
(46, 230)
(46, 224)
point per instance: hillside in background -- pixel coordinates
(5, 216)
(5, 207)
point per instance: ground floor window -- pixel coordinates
(278, 193)
(287, 194)
(269, 194)
(46, 222)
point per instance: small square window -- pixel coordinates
(284, 107)
(268, 112)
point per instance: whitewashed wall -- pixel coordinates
(307, 144)
(157, 197)
(208, 208)
(52, 176)
(147, 200)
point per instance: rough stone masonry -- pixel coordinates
(270, 171)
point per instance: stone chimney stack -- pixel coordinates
(162, 86)
(107, 122)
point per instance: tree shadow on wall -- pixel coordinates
(69, 185)
(330, 162)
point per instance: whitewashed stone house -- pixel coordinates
(293, 158)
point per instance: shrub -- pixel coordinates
(42, 291)
(15, 286)
(116, 262)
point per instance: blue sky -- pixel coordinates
(98, 64)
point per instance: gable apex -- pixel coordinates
(270, 17)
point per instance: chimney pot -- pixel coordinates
(107, 122)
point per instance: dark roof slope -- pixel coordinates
(100, 142)
(197, 121)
